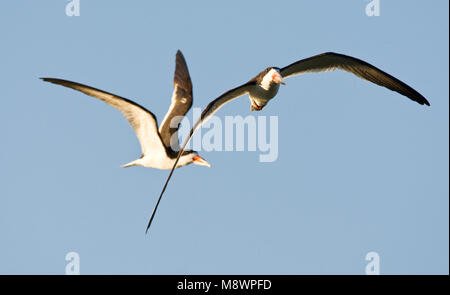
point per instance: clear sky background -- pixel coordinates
(360, 168)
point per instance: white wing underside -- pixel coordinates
(174, 143)
(141, 120)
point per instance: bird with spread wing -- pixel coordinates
(264, 86)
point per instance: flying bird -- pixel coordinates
(264, 86)
(159, 147)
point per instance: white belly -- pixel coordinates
(158, 163)
(164, 163)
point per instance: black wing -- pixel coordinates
(330, 61)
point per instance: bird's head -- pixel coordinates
(269, 78)
(189, 157)
(197, 160)
(276, 76)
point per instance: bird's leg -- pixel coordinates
(255, 107)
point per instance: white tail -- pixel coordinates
(133, 163)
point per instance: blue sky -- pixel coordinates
(360, 168)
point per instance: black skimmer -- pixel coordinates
(264, 86)
(159, 147)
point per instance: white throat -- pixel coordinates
(267, 79)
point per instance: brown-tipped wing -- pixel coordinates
(330, 61)
(142, 120)
(181, 103)
(210, 109)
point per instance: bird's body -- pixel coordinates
(159, 147)
(163, 161)
(262, 89)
